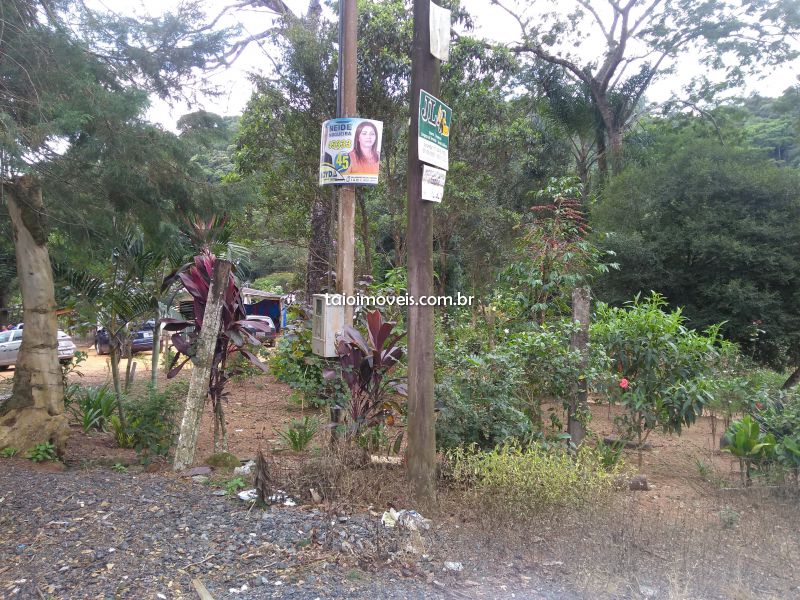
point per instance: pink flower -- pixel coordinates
(623, 383)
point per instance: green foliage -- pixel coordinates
(9, 452)
(231, 486)
(779, 417)
(120, 468)
(72, 388)
(521, 482)
(661, 365)
(277, 283)
(300, 433)
(294, 364)
(553, 257)
(150, 421)
(479, 398)
(745, 440)
(42, 452)
(713, 228)
(94, 407)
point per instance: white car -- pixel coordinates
(10, 342)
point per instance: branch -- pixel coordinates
(590, 8)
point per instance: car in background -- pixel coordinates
(10, 341)
(141, 339)
(266, 337)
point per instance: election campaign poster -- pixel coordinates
(350, 152)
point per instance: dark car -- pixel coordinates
(141, 339)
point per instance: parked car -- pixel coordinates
(267, 337)
(10, 342)
(141, 339)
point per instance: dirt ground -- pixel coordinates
(694, 534)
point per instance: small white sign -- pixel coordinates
(440, 32)
(433, 183)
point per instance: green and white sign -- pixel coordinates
(434, 130)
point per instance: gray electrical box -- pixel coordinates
(327, 322)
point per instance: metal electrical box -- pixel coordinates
(327, 322)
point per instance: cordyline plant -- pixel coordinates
(365, 366)
(233, 337)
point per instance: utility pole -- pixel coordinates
(345, 239)
(421, 453)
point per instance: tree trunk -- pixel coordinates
(155, 353)
(35, 412)
(362, 207)
(579, 408)
(319, 247)
(201, 370)
(794, 378)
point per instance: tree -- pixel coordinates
(71, 81)
(642, 39)
(278, 142)
(714, 229)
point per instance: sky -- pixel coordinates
(491, 23)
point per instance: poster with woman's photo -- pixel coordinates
(350, 152)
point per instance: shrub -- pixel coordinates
(9, 452)
(150, 421)
(294, 364)
(223, 460)
(745, 440)
(661, 365)
(779, 417)
(478, 398)
(518, 482)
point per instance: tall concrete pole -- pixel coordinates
(421, 453)
(345, 240)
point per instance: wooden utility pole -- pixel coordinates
(421, 451)
(345, 239)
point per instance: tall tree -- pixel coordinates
(642, 39)
(71, 81)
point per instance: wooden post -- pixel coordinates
(581, 302)
(346, 238)
(201, 369)
(421, 453)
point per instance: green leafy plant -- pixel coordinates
(661, 365)
(72, 389)
(745, 440)
(300, 433)
(94, 407)
(365, 365)
(42, 452)
(120, 468)
(122, 435)
(9, 452)
(294, 364)
(231, 486)
(479, 398)
(151, 420)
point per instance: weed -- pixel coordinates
(231, 486)
(42, 452)
(120, 468)
(9, 452)
(300, 433)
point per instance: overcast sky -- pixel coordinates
(491, 24)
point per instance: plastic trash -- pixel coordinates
(407, 519)
(245, 469)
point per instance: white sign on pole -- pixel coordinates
(440, 32)
(433, 183)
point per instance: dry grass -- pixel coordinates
(731, 544)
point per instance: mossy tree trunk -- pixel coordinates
(35, 412)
